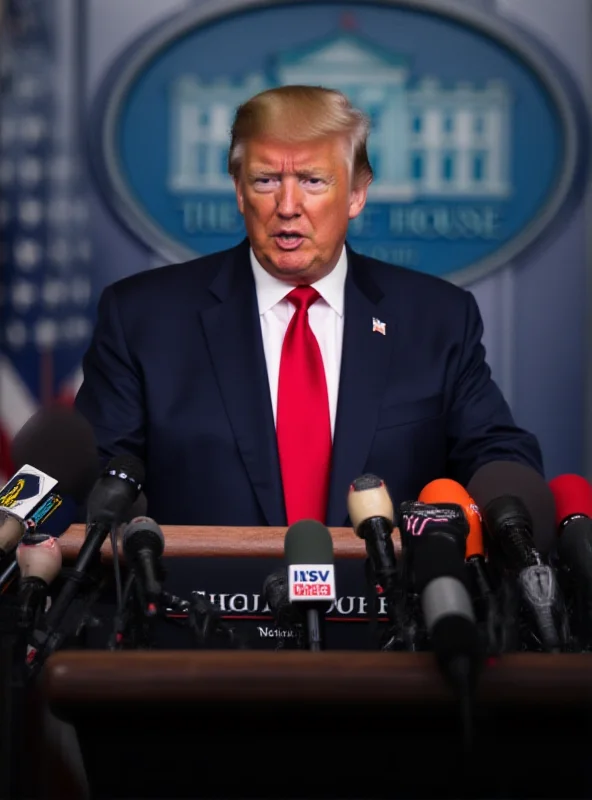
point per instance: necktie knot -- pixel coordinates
(303, 297)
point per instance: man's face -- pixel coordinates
(297, 200)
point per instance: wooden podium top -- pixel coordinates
(217, 541)
(404, 679)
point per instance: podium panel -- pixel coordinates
(322, 725)
(230, 565)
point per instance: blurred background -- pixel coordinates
(114, 119)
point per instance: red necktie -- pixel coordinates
(303, 422)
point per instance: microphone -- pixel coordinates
(506, 492)
(60, 442)
(372, 515)
(510, 478)
(371, 512)
(435, 539)
(308, 551)
(137, 509)
(23, 493)
(39, 558)
(54, 448)
(445, 490)
(285, 615)
(573, 503)
(143, 545)
(108, 505)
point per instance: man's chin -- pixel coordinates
(291, 266)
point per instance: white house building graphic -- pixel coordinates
(428, 140)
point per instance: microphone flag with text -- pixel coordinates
(57, 463)
(308, 552)
(434, 538)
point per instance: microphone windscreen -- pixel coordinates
(142, 532)
(573, 495)
(308, 542)
(434, 558)
(60, 442)
(510, 478)
(445, 490)
(117, 488)
(139, 507)
(276, 592)
(368, 497)
(39, 556)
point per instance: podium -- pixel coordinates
(322, 725)
(293, 724)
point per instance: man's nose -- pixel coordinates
(289, 198)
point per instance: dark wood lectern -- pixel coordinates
(337, 724)
(332, 724)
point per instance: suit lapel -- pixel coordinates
(365, 360)
(233, 333)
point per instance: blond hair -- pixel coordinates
(301, 114)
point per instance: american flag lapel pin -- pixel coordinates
(378, 326)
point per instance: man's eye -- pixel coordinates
(265, 183)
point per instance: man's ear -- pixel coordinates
(240, 200)
(357, 200)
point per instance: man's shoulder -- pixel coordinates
(397, 281)
(172, 280)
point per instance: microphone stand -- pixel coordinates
(73, 617)
(133, 629)
(13, 648)
(205, 620)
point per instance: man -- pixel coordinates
(258, 382)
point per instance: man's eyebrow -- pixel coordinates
(304, 171)
(262, 171)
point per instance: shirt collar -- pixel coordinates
(271, 290)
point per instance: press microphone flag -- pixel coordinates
(25, 491)
(19, 498)
(308, 551)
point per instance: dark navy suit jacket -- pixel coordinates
(176, 375)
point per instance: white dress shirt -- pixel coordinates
(325, 318)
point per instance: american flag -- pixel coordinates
(45, 253)
(378, 326)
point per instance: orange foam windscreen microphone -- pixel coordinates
(445, 490)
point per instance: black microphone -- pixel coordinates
(308, 551)
(39, 558)
(506, 491)
(108, 505)
(435, 542)
(60, 442)
(287, 617)
(137, 509)
(371, 512)
(499, 479)
(143, 545)
(372, 516)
